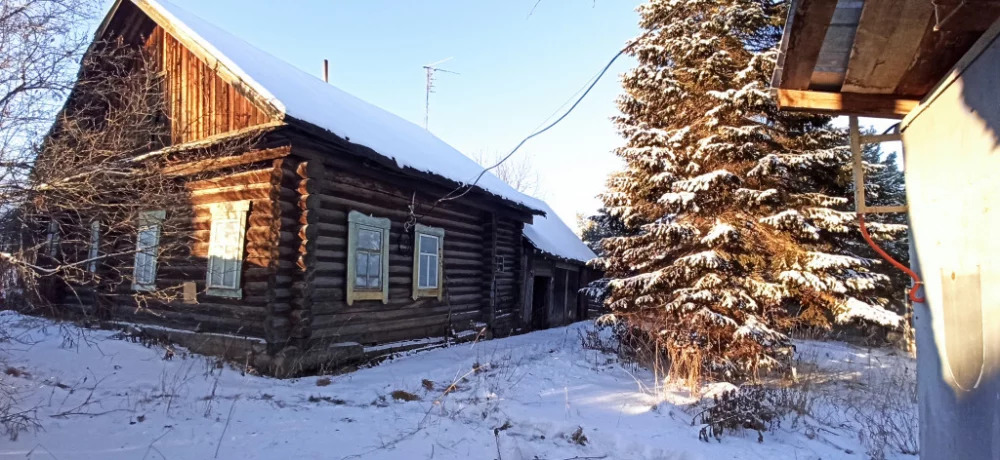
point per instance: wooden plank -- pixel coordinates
(888, 36)
(937, 53)
(880, 138)
(872, 105)
(807, 28)
(857, 165)
(213, 164)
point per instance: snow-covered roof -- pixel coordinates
(302, 96)
(297, 94)
(551, 235)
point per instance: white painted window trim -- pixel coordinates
(231, 213)
(94, 250)
(355, 221)
(53, 238)
(148, 221)
(418, 289)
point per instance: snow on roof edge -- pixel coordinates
(306, 98)
(552, 236)
(297, 95)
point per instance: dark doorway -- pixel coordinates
(540, 303)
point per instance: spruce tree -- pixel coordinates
(886, 186)
(594, 229)
(737, 211)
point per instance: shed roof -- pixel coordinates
(552, 236)
(875, 58)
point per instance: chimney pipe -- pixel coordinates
(326, 70)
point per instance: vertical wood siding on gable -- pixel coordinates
(200, 104)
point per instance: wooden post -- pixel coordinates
(858, 165)
(326, 70)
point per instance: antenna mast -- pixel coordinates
(431, 69)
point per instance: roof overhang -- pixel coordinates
(875, 58)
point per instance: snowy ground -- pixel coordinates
(535, 396)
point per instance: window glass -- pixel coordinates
(427, 263)
(369, 239)
(374, 270)
(432, 273)
(428, 244)
(225, 248)
(145, 258)
(367, 257)
(368, 262)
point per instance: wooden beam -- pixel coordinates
(888, 37)
(806, 30)
(880, 138)
(869, 105)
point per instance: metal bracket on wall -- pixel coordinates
(858, 168)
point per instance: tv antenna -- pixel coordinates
(431, 69)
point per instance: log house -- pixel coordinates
(327, 242)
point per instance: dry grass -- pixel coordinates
(400, 395)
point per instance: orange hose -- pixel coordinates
(916, 279)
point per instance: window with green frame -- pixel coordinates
(367, 258)
(428, 262)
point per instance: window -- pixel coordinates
(147, 246)
(94, 250)
(367, 258)
(501, 264)
(427, 267)
(225, 248)
(53, 239)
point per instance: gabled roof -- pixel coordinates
(552, 236)
(289, 93)
(293, 95)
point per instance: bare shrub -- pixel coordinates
(15, 420)
(750, 407)
(884, 407)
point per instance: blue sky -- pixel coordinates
(515, 71)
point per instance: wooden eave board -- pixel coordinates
(804, 36)
(835, 52)
(875, 58)
(888, 37)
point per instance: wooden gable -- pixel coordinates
(203, 97)
(200, 103)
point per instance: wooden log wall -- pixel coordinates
(251, 176)
(334, 190)
(200, 104)
(504, 284)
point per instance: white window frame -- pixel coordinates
(151, 221)
(94, 250)
(231, 213)
(357, 221)
(435, 290)
(53, 239)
